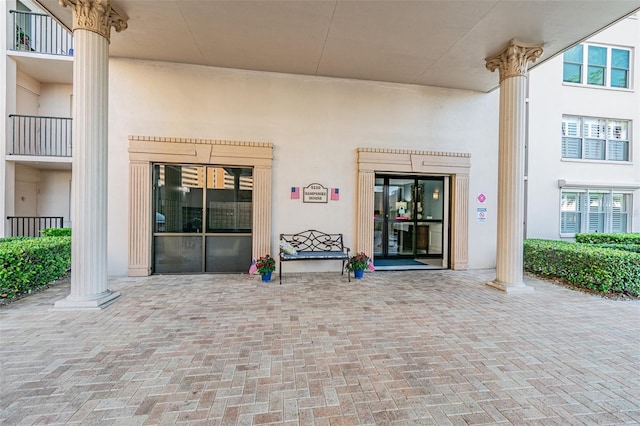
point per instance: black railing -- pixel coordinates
(30, 226)
(40, 136)
(40, 33)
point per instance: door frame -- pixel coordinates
(146, 150)
(416, 221)
(381, 161)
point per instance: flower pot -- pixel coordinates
(358, 273)
(266, 277)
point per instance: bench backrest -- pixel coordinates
(313, 240)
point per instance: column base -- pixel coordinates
(511, 288)
(79, 304)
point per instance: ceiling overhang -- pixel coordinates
(431, 43)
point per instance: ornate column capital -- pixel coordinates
(96, 15)
(514, 59)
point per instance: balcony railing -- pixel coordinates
(40, 33)
(40, 136)
(30, 226)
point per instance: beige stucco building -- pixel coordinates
(195, 143)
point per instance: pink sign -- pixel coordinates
(482, 198)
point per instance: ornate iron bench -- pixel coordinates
(314, 245)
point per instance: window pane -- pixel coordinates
(596, 212)
(618, 151)
(594, 149)
(598, 56)
(620, 58)
(617, 129)
(571, 148)
(574, 54)
(229, 195)
(569, 223)
(178, 198)
(595, 76)
(572, 73)
(594, 128)
(619, 78)
(571, 126)
(619, 215)
(570, 202)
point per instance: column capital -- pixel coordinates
(514, 59)
(96, 15)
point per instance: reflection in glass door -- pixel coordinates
(202, 218)
(411, 218)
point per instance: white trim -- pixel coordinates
(562, 183)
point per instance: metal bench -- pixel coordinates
(314, 245)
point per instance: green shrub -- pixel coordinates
(9, 239)
(596, 238)
(27, 264)
(625, 247)
(56, 232)
(603, 269)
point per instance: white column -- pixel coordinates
(512, 63)
(92, 21)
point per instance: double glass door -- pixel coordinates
(202, 218)
(411, 217)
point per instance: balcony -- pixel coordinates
(37, 136)
(39, 33)
(30, 226)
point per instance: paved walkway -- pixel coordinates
(421, 347)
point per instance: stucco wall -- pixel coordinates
(315, 124)
(549, 99)
(53, 194)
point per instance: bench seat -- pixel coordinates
(314, 245)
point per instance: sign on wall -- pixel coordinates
(315, 193)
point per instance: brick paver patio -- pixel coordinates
(412, 347)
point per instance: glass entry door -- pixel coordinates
(202, 218)
(411, 217)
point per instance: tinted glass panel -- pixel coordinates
(619, 78)
(175, 254)
(228, 254)
(229, 199)
(178, 198)
(620, 58)
(572, 73)
(597, 56)
(574, 54)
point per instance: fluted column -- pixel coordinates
(366, 194)
(512, 63)
(92, 22)
(262, 212)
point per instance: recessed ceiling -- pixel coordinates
(431, 43)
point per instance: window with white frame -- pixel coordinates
(594, 210)
(594, 65)
(592, 138)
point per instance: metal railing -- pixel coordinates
(30, 226)
(40, 33)
(40, 136)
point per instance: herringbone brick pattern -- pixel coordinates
(412, 347)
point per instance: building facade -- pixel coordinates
(173, 167)
(583, 171)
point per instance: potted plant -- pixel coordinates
(265, 266)
(358, 263)
(22, 40)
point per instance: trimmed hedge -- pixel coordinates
(56, 232)
(606, 270)
(625, 247)
(27, 264)
(596, 238)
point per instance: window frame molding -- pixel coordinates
(582, 137)
(587, 187)
(609, 66)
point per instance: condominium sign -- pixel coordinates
(315, 193)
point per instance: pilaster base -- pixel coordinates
(511, 288)
(77, 304)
